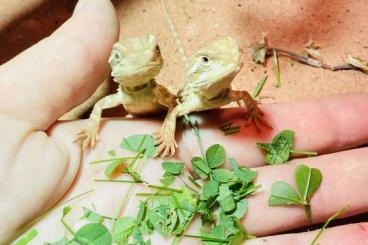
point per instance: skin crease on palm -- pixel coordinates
(40, 165)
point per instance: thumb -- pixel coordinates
(61, 71)
(36, 87)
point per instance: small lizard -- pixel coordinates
(208, 85)
(134, 62)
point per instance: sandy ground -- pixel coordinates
(339, 27)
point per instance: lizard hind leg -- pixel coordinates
(254, 114)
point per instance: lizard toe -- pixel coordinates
(166, 152)
(160, 148)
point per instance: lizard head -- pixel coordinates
(134, 61)
(212, 69)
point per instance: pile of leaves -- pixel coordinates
(220, 201)
(219, 197)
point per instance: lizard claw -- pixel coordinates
(88, 137)
(166, 144)
(255, 116)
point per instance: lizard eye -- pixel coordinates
(115, 57)
(205, 61)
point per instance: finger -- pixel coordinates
(356, 234)
(344, 178)
(61, 71)
(341, 182)
(324, 125)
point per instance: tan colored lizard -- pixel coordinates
(209, 75)
(134, 62)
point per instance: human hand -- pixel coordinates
(37, 169)
(36, 88)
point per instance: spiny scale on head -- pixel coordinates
(175, 34)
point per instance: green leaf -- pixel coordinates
(134, 174)
(184, 218)
(187, 199)
(217, 233)
(207, 214)
(111, 153)
(200, 167)
(226, 199)
(257, 90)
(210, 189)
(243, 174)
(308, 181)
(138, 143)
(138, 238)
(91, 216)
(285, 135)
(142, 211)
(63, 241)
(241, 209)
(278, 152)
(123, 229)
(66, 211)
(223, 175)
(146, 227)
(276, 68)
(215, 156)
(109, 170)
(167, 180)
(28, 237)
(164, 219)
(93, 234)
(238, 238)
(174, 168)
(283, 194)
(241, 235)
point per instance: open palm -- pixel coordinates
(40, 165)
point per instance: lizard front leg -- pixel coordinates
(164, 97)
(254, 114)
(165, 137)
(89, 136)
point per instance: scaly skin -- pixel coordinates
(134, 62)
(208, 86)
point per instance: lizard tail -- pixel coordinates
(175, 34)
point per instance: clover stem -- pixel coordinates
(117, 181)
(308, 212)
(164, 188)
(207, 239)
(67, 227)
(309, 153)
